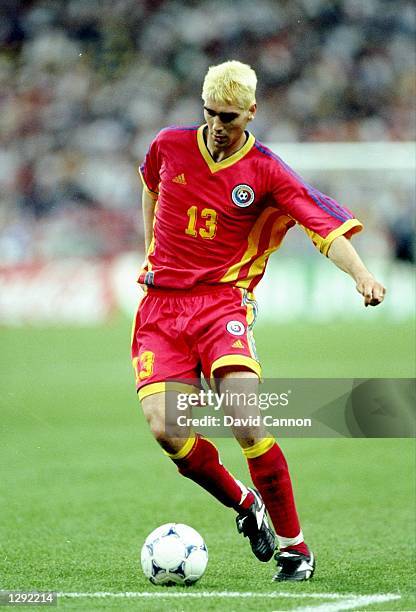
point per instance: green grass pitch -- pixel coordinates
(82, 482)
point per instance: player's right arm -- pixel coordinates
(148, 211)
(149, 174)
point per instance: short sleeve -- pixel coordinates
(322, 217)
(150, 169)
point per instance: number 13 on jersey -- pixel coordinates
(206, 221)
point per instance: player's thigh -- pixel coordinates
(159, 351)
(227, 340)
(240, 389)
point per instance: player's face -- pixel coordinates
(226, 124)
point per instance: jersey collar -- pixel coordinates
(228, 161)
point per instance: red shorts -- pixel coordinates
(177, 337)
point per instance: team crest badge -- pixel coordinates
(236, 328)
(242, 195)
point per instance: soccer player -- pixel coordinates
(216, 203)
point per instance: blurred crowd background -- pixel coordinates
(85, 86)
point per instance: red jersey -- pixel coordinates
(218, 222)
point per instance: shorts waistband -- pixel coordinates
(190, 292)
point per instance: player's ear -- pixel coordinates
(252, 111)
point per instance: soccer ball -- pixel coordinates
(174, 554)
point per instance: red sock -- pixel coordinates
(270, 475)
(202, 465)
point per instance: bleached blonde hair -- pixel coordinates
(230, 83)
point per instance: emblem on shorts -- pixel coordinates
(242, 195)
(236, 328)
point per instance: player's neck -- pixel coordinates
(218, 154)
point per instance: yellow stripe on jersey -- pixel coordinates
(350, 227)
(248, 300)
(251, 313)
(277, 234)
(258, 449)
(252, 346)
(250, 316)
(229, 161)
(252, 245)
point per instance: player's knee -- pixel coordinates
(157, 427)
(246, 440)
(170, 443)
(154, 413)
(167, 435)
(247, 436)
(164, 438)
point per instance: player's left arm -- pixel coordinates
(329, 224)
(343, 254)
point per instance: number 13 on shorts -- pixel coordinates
(143, 365)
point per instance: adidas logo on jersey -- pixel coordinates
(238, 344)
(179, 179)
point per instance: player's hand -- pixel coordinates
(143, 269)
(371, 289)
